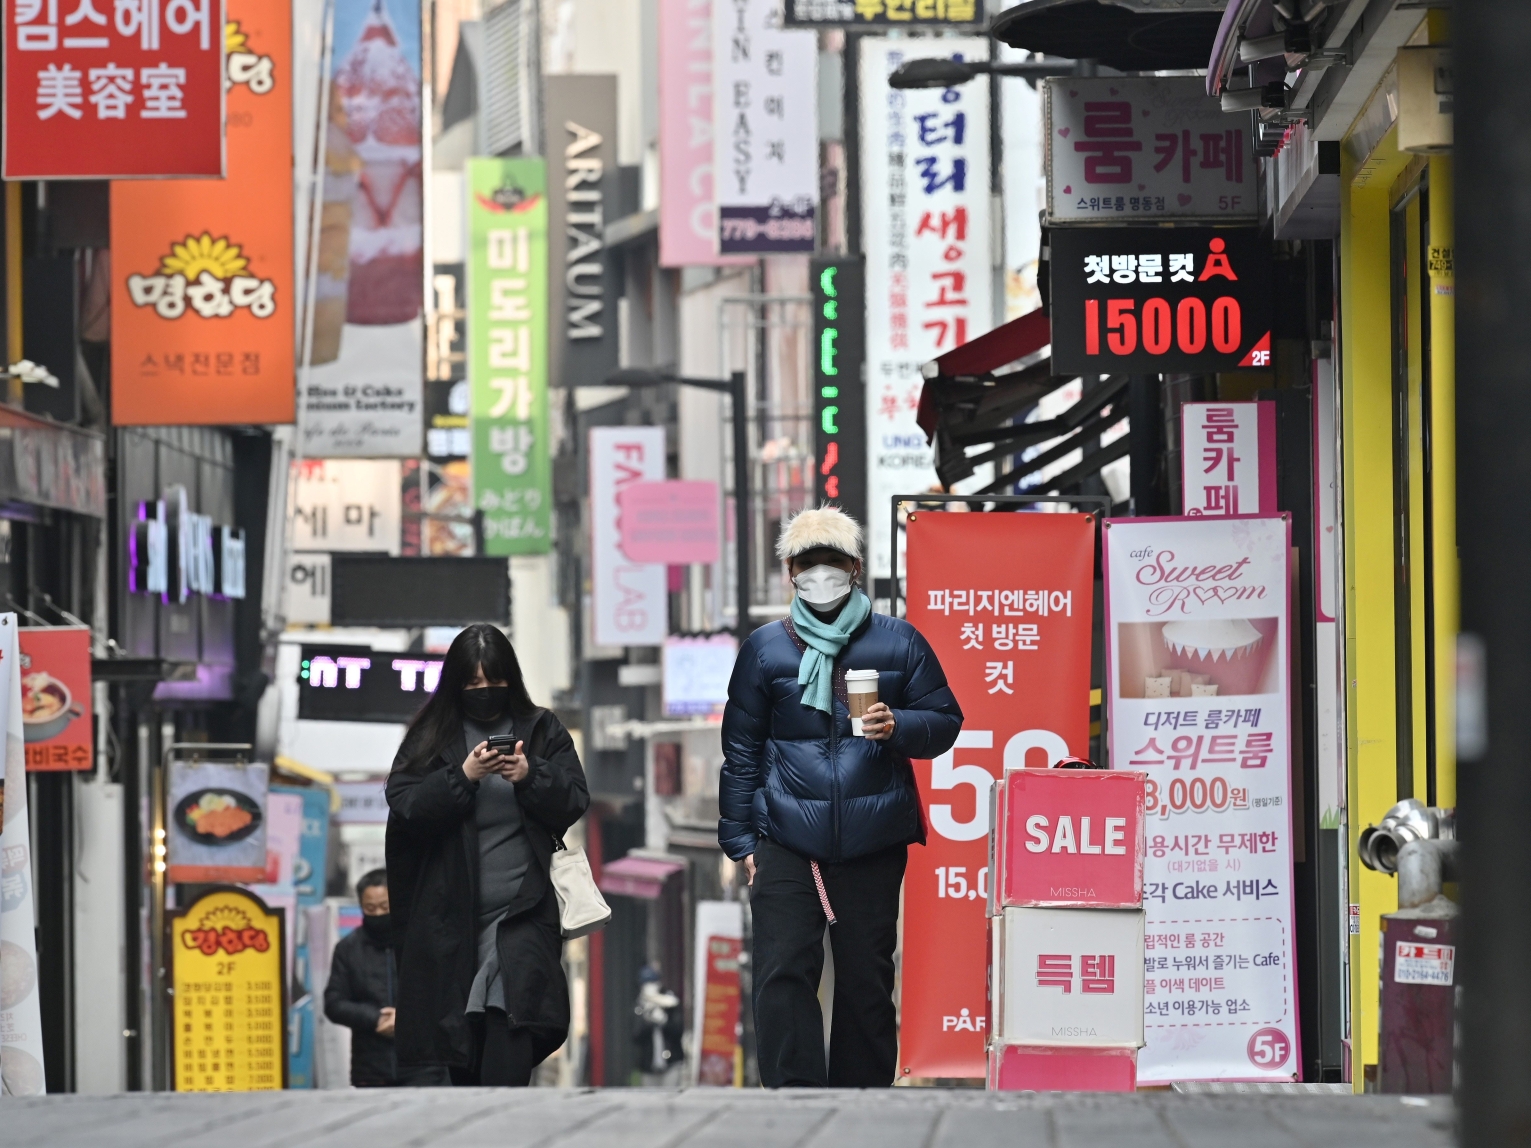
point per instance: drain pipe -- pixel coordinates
(1422, 868)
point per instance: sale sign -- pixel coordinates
(1198, 678)
(1013, 635)
(126, 90)
(1069, 837)
(55, 697)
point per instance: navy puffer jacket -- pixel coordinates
(792, 774)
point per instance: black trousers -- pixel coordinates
(506, 1056)
(788, 959)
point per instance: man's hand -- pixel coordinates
(385, 1022)
(749, 867)
(877, 723)
(514, 767)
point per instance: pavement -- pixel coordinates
(724, 1118)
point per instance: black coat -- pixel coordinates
(361, 985)
(433, 858)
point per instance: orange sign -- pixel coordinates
(55, 697)
(202, 270)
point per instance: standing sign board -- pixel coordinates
(1198, 617)
(56, 718)
(1228, 458)
(132, 91)
(925, 231)
(1015, 646)
(1155, 299)
(629, 600)
(1143, 149)
(838, 355)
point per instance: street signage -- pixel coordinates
(56, 720)
(882, 15)
(629, 600)
(1155, 299)
(1069, 837)
(838, 356)
(1228, 458)
(355, 683)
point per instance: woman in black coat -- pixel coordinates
(471, 832)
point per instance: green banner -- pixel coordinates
(508, 352)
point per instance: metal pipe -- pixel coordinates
(737, 390)
(1422, 867)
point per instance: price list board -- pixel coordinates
(228, 1007)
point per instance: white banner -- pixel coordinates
(1197, 617)
(1222, 464)
(630, 604)
(925, 230)
(346, 504)
(21, 1030)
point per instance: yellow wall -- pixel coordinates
(1443, 399)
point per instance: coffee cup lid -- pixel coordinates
(861, 675)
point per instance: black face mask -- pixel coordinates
(486, 704)
(379, 928)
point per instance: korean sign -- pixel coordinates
(925, 231)
(230, 1026)
(203, 316)
(1069, 977)
(838, 355)
(882, 15)
(765, 157)
(56, 718)
(508, 353)
(345, 504)
(1013, 634)
(1135, 149)
(629, 600)
(1228, 458)
(1197, 619)
(1160, 299)
(134, 91)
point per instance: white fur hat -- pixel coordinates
(826, 526)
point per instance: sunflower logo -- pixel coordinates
(233, 38)
(243, 64)
(226, 916)
(199, 253)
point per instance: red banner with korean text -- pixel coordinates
(121, 90)
(56, 720)
(1006, 602)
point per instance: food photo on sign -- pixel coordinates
(215, 816)
(56, 720)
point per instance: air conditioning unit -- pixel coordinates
(1424, 100)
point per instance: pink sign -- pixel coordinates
(688, 214)
(670, 522)
(1228, 458)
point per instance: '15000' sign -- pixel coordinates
(1160, 299)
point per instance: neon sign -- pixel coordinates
(840, 391)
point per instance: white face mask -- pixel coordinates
(823, 586)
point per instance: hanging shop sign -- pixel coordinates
(1016, 650)
(838, 355)
(508, 353)
(230, 1004)
(406, 593)
(1156, 299)
(767, 167)
(675, 522)
(215, 821)
(354, 683)
(175, 552)
(362, 394)
(696, 673)
(629, 600)
(346, 504)
(881, 15)
(203, 299)
(1197, 672)
(56, 721)
(131, 92)
(580, 125)
(1228, 458)
(1136, 149)
(446, 365)
(925, 207)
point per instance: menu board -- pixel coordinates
(228, 1002)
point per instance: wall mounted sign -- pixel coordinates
(838, 356)
(1154, 299)
(1228, 458)
(56, 719)
(215, 821)
(355, 683)
(176, 552)
(882, 15)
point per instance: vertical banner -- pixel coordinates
(716, 999)
(363, 397)
(580, 127)
(508, 353)
(765, 144)
(1198, 675)
(1016, 651)
(629, 601)
(838, 355)
(1228, 458)
(203, 309)
(21, 1028)
(925, 229)
(56, 719)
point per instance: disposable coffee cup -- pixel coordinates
(861, 693)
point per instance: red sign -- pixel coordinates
(55, 698)
(1070, 838)
(720, 1040)
(120, 90)
(1013, 635)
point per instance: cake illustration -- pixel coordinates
(1215, 657)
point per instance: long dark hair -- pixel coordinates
(440, 721)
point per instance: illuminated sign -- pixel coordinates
(354, 683)
(175, 552)
(1154, 299)
(839, 364)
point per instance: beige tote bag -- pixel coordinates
(581, 908)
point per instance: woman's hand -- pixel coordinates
(513, 767)
(482, 761)
(877, 723)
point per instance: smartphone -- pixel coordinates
(504, 743)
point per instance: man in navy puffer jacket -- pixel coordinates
(822, 818)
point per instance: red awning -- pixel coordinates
(638, 876)
(981, 357)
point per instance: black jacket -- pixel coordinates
(433, 856)
(361, 985)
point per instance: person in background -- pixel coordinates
(821, 818)
(361, 995)
(660, 1029)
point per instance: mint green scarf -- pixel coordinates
(825, 640)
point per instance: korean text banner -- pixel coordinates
(203, 314)
(1015, 645)
(56, 698)
(1197, 669)
(925, 231)
(1228, 458)
(881, 15)
(364, 393)
(119, 91)
(508, 352)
